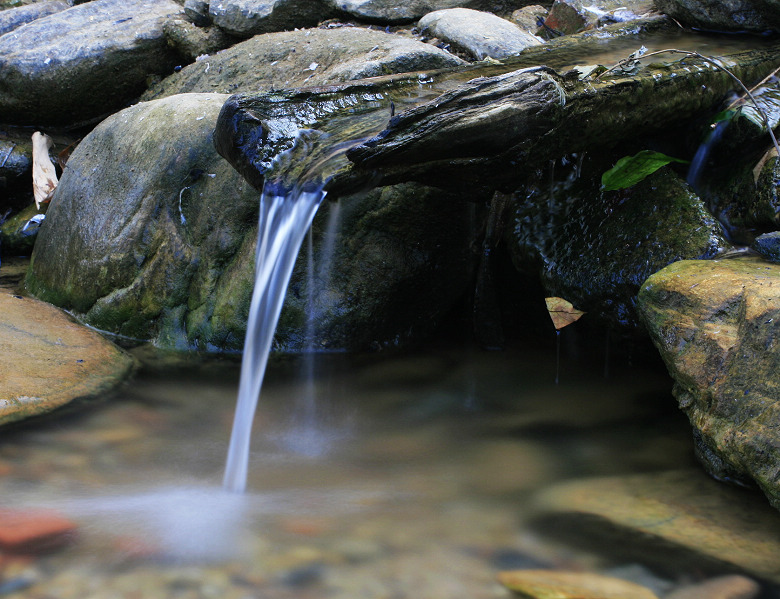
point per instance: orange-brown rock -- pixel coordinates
(48, 360)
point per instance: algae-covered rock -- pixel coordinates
(715, 324)
(121, 241)
(595, 248)
(151, 235)
(306, 57)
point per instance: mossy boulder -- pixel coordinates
(151, 235)
(596, 248)
(717, 326)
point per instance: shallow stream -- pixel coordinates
(413, 479)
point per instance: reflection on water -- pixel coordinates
(417, 488)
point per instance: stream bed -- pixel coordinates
(382, 476)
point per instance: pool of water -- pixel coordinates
(384, 476)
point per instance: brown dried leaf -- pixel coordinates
(44, 175)
(562, 312)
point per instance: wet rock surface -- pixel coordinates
(715, 324)
(694, 521)
(596, 248)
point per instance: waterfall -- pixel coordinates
(285, 216)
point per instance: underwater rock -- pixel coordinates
(715, 324)
(83, 62)
(562, 584)
(245, 18)
(733, 586)
(306, 57)
(12, 18)
(676, 522)
(596, 248)
(32, 530)
(480, 34)
(151, 235)
(48, 360)
(716, 15)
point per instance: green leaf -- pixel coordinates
(630, 170)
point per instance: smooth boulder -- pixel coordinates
(307, 57)
(480, 34)
(83, 62)
(715, 324)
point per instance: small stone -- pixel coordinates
(34, 530)
(556, 584)
(721, 587)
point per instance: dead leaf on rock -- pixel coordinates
(44, 174)
(562, 312)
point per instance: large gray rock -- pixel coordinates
(12, 18)
(307, 57)
(716, 325)
(151, 235)
(392, 11)
(83, 62)
(750, 15)
(481, 34)
(245, 18)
